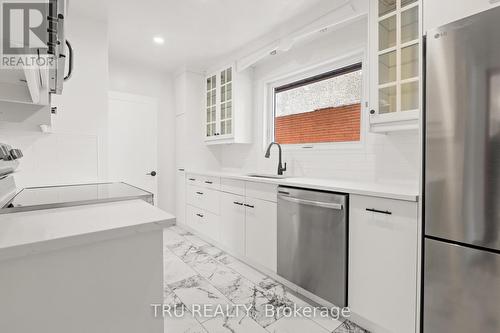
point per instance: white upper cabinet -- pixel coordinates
(438, 13)
(396, 49)
(228, 106)
(24, 95)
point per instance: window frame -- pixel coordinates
(307, 75)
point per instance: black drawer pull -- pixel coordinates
(200, 193)
(249, 206)
(208, 182)
(199, 215)
(238, 203)
(373, 210)
(192, 179)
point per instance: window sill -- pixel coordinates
(305, 147)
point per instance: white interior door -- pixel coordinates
(132, 140)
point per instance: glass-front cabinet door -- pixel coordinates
(228, 111)
(396, 30)
(211, 107)
(226, 102)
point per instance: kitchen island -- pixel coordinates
(91, 268)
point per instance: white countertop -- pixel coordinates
(27, 232)
(382, 190)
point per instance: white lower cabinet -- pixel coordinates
(261, 233)
(240, 215)
(383, 242)
(232, 224)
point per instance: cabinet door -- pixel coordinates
(383, 262)
(261, 232)
(226, 102)
(211, 107)
(395, 27)
(232, 234)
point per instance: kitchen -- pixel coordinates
(324, 158)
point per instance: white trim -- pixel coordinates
(359, 55)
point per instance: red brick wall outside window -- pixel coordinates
(335, 124)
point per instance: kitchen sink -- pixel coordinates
(268, 176)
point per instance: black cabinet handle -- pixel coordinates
(373, 210)
(238, 203)
(199, 215)
(192, 179)
(249, 206)
(208, 182)
(200, 193)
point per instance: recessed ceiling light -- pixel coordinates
(159, 40)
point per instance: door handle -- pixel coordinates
(249, 206)
(238, 203)
(152, 174)
(199, 215)
(373, 210)
(200, 193)
(71, 57)
(329, 205)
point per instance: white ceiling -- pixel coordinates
(196, 32)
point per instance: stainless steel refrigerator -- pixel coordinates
(462, 177)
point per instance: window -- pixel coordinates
(320, 109)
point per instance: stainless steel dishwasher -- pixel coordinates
(312, 242)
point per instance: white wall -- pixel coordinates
(140, 80)
(387, 158)
(441, 12)
(76, 150)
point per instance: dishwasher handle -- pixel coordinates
(329, 205)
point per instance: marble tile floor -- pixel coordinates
(197, 273)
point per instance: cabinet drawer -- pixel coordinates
(261, 191)
(204, 198)
(232, 186)
(210, 182)
(203, 180)
(193, 179)
(204, 222)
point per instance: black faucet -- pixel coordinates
(281, 169)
